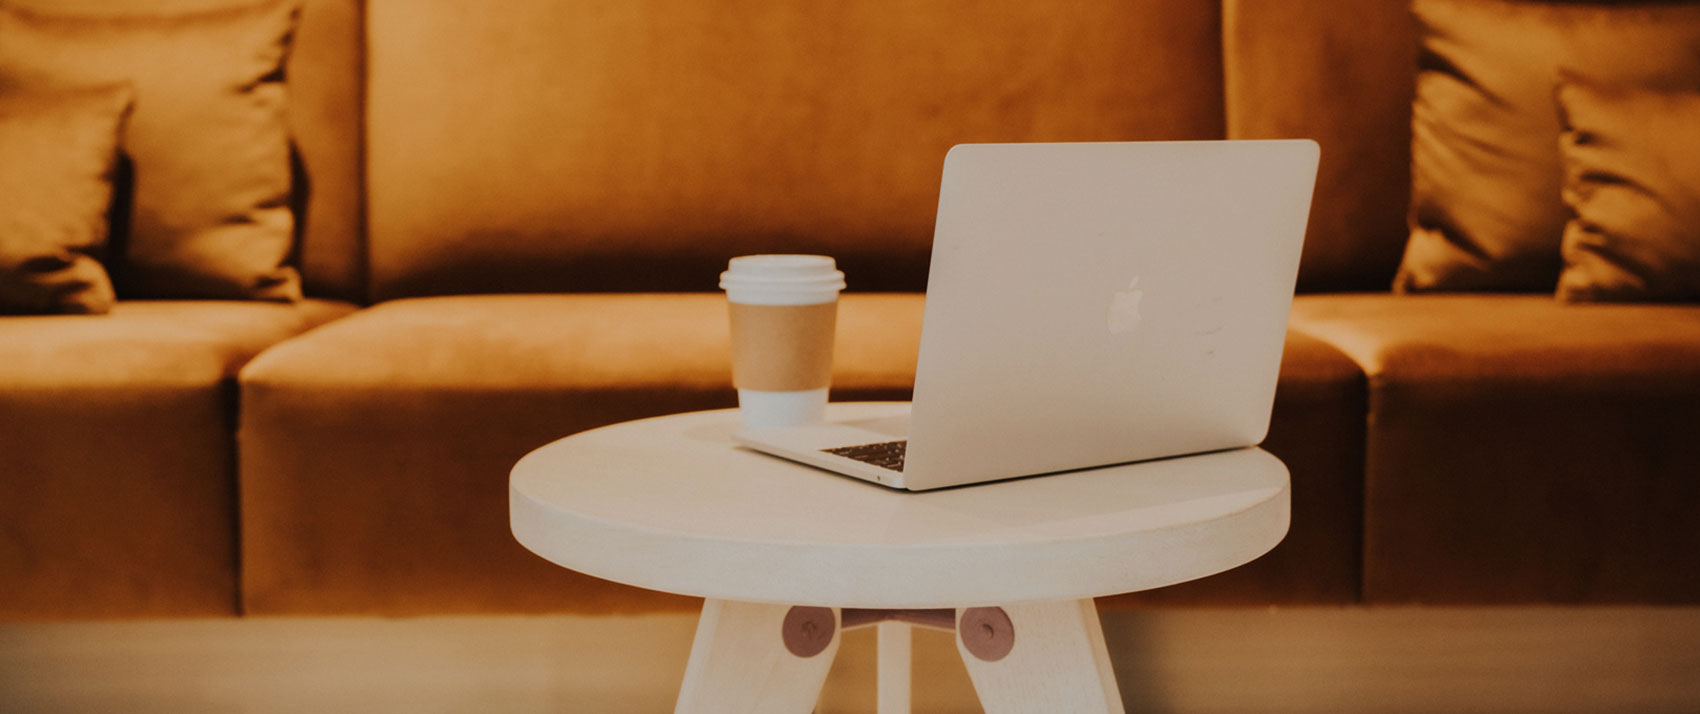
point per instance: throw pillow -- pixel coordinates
(58, 153)
(208, 138)
(1486, 174)
(1632, 176)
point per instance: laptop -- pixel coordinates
(1088, 304)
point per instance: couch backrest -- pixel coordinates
(325, 75)
(1341, 72)
(326, 84)
(539, 145)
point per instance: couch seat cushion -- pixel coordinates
(116, 462)
(375, 452)
(1523, 450)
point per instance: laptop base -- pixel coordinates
(811, 444)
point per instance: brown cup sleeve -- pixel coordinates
(782, 348)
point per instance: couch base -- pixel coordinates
(117, 473)
(375, 453)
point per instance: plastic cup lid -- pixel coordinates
(785, 273)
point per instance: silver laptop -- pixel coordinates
(1089, 304)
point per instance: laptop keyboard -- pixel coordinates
(885, 454)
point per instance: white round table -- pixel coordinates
(789, 556)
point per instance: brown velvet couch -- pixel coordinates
(514, 216)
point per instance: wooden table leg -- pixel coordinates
(894, 665)
(745, 659)
(1056, 662)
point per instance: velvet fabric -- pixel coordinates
(416, 410)
(557, 147)
(1516, 449)
(117, 495)
(326, 75)
(58, 153)
(1486, 175)
(1339, 72)
(1522, 450)
(208, 137)
(1632, 176)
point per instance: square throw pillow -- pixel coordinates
(58, 153)
(1485, 207)
(207, 138)
(1632, 177)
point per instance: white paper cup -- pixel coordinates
(784, 313)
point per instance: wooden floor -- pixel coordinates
(1547, 660)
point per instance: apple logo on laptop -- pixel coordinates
(1124, 308)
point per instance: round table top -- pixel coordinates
(672, 504)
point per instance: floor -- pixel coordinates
(1546, 660)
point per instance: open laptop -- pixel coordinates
(1089, 304)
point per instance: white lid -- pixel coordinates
(782, 279)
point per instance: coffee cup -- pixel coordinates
(784, 314)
